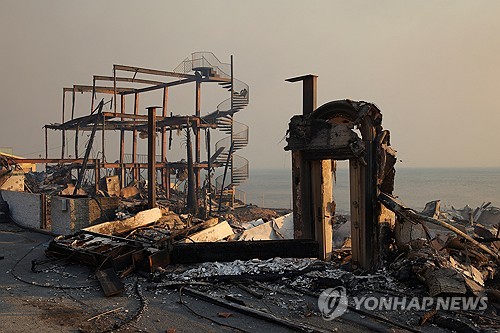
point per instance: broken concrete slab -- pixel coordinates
(252, 224)
(432, 209)
(141, 219)
(405, 232)
(285, 225)
(279, 228)
(212, 234)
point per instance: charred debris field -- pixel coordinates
(152, 243)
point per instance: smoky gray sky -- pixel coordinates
(432, 67)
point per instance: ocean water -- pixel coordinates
(414, 186)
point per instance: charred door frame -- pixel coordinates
(370, 158)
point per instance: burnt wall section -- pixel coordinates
(69, 215)
(25, 209)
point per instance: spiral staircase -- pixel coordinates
(213, 70)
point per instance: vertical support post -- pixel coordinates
(122, 144)
(63, 133)
(232, 133)
(43, 202)
(76, 140)
(197, 144)
(93, 95)
(114, 88)
(134, 139)
(322, 197)
(364, 214)
(46, 146)
(369, 226)
(358, 216)
(309, 91)
(209, 172)
(309, 94)
(97, 175)
(303, 222)
(301, 197)
(165, 173)
(151, 157)
(73, 101)
(103, 139)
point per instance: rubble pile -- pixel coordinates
(453, 251)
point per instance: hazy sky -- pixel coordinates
(432, 67)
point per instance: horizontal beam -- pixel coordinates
(92, 162)
(163, 85)
(138, 122)
(151, 71)
(98, 89)
(125, 79)
(51, 160)
(229, 251)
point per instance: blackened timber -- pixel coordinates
(152, 157)
(309, 87)
(165, 173)
(192, 200)
(187, 253)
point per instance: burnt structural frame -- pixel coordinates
(323, 135)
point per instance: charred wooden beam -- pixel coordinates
(229, 251)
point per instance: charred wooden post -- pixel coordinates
(325, 134)
(134, 139)
(46, 145)
(63, 132)
(197, 133)
(301, 169)
(165, 175)
(152, 156)
(122, 145)
(76, 141)
(192, 200)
